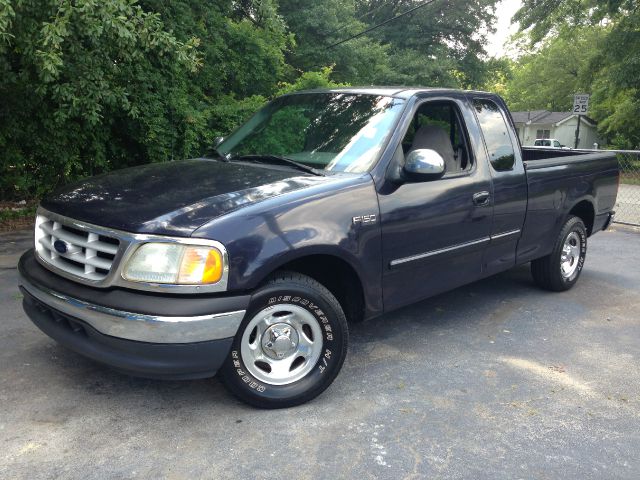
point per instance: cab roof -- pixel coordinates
(389, 91)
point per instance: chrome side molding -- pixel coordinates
(452, 248)
(440, 251)
(505, 234)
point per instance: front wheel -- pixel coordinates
(560, 270)
(290, 345)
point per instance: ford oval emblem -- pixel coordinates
(60, 246)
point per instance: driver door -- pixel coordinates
(434, 232)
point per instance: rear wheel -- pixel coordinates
(290, 346)
(560, 270)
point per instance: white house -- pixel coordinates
(559, 125)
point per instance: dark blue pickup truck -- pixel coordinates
(325, 207)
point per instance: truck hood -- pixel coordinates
(173, 198)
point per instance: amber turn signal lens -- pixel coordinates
(212, 267)
(200, 265)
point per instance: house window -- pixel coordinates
(543, 134)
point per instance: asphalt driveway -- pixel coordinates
(494, 380)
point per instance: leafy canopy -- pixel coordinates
(582, 46)
(87, 86)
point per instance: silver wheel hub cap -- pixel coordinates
(570, 256)
(279, 341)
(281, 344)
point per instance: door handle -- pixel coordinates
(481, 199)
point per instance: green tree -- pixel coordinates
(438, 45)
(242, 46)
(499, 75)
(311, 80)
(80, 84)
(88, 85)
(319, 24)
(549, 76)
(441, 44)
(614, 64)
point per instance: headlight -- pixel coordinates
(174, 263)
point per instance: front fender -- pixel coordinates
(262, 238)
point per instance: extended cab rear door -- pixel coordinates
(509, 181)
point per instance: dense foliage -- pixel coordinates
(573, 46)
(91, 85)
(80, 89)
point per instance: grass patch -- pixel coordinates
(630, 179)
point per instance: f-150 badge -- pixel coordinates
(364, 219)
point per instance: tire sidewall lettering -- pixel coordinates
(327, 356)
(327, 330)
(583, 253)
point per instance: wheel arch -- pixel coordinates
(333, 271)
(585, 210)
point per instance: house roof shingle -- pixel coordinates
(539, 117)
(524, 117)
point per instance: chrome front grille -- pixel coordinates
(96, 255)
(75, 249)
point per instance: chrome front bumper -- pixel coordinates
(137, 326)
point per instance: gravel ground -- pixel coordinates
(494, 380)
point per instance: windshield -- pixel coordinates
(340, 132)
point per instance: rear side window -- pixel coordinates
(496, 134)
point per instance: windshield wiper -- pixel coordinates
(277, 159)
(217, 154)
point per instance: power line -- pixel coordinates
(370, 12)
(424, 4)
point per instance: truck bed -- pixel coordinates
(559, 180)
(535, 158)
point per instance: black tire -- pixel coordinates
(280, 292)
(547, 271)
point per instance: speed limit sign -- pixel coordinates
(581, 104)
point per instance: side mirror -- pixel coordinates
(217, 141)
(424, 164)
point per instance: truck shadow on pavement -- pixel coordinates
(454, 307)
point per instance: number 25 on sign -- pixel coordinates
(580, 104)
